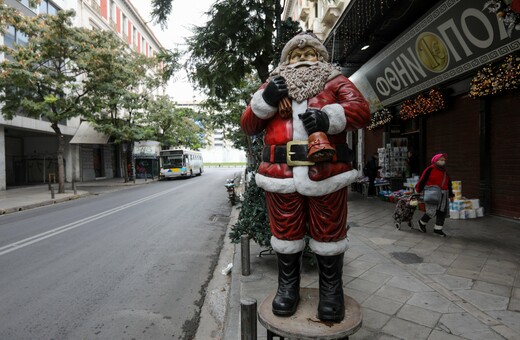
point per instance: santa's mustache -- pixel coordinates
(303, 63)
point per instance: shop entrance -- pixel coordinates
(99, 164)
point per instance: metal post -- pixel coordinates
(74, 187)
(245, 256)
(248, 319)
(52, 190)
(145, 176)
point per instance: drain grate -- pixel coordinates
(407, 258)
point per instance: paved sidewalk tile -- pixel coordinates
(406, 330)
(382, 304)
(419, 315)
(484, 301)
(373, 319)
(492, 288)
(453, 282)
(433, 301)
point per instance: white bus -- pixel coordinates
(180, 163)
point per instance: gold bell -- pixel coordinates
(319, 148)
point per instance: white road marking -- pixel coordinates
(56, 231)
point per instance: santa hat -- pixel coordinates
(302, 40)
(437, 156)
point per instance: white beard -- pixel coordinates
(305, 79)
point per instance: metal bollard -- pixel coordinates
(145, 177)
(248, 319)
(52, 191)
(74, 188)
(244, 255)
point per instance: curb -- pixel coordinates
(214, 315)
(41, 204)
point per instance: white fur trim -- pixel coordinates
(307, 187)
(437, 227)
(299, 132)
(329, 248)
(287, 247)
(337, 118)
(276, 185)
(260, 108)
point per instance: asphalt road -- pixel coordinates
(129, 264)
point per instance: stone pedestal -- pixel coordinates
(304, 324)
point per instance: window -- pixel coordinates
(46, 7)
(112, 16)
(143, 46)
(112, 10)
(134, 36)
(125, 25)
(13, 36)
(52, 10)
(10, 36)
(26, 4)
(42, 7)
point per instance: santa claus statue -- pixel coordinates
(302, 195)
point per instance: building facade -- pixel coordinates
(440, 77)
(29, 144)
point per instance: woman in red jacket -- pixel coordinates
(436, 175)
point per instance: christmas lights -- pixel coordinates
(422, 104)
(380, 118)
(496, 78)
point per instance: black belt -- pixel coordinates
(297, 153)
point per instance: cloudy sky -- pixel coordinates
(185, 14)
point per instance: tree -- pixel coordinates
(225, 114)
(48, 77)
(122, 82)
(237, 40)
(173, 126)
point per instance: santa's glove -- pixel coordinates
(275, 91)
(315, 120)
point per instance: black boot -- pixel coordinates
(332, 304)
(288, 294)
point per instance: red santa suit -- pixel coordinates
(309, 198)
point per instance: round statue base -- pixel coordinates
(304, 324)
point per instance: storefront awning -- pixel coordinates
(86, 134)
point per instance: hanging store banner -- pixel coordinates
(450, 41)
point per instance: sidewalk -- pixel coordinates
(23, 198)
(410, 285)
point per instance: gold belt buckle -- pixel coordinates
(290, 162)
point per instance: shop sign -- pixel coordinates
(450, 41)
(147, 149)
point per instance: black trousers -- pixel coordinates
(440, 217)
(371, 186)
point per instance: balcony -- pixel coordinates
(304, 14)
(95, 6)
(332, 12)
